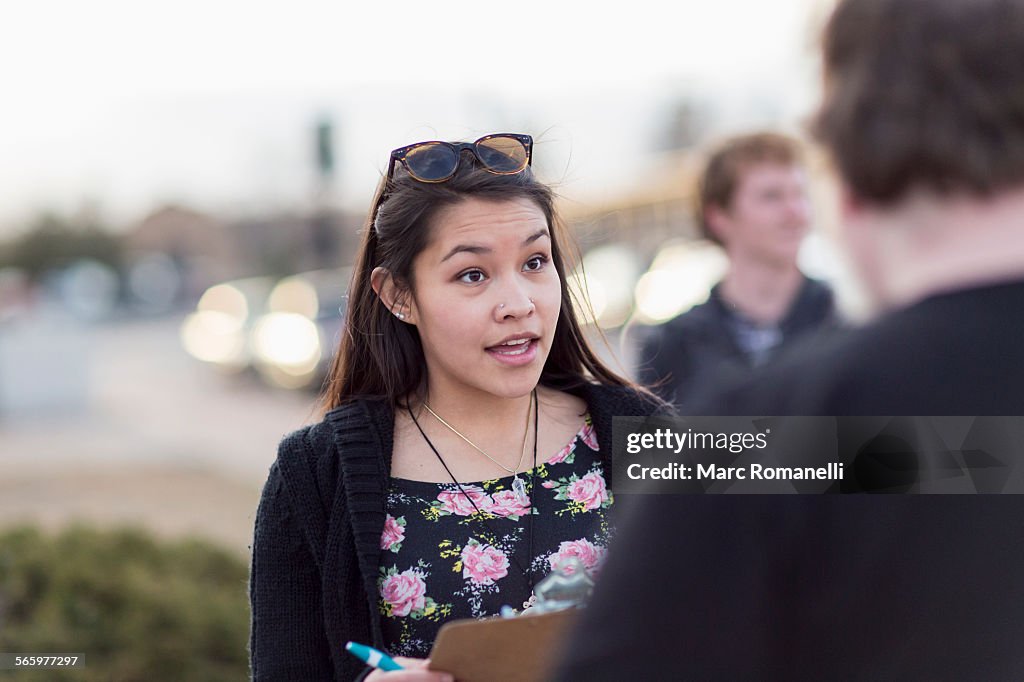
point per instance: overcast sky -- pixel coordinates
(212, 103)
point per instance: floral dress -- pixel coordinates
(443, 558)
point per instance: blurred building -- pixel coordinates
(647, 215)
(203, 250)
(289, 243)
(198, 245)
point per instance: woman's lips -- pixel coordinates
(515, 356)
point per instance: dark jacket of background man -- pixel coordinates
(700, 348)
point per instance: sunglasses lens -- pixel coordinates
(431, 162)
(503, 154)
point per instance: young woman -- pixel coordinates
(465, 447)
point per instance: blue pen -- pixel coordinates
(372, 657)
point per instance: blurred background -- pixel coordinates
(181, 189)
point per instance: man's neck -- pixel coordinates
(761, 291)
(945, 244)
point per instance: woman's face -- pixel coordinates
(486, 297)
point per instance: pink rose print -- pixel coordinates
(564, 453)
(454, 502)
(393, 534)
(505, 504)
(589, 490)
(549, 484)
(591, 555)
(483, 564)
(404, 592)
(589, 436)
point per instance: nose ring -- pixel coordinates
(533, 305)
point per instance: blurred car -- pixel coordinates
(285, 330)
(294, 342)
(217, 333)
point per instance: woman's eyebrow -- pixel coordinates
(467, 248)
(477, 249)
(535, 236)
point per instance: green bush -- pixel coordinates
(136, 608)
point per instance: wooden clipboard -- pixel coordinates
(521, 649)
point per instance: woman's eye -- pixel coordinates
(535, 263)
(472, 277)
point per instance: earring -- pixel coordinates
(399, 315)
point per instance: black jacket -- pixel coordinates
(698, 349)
(859, 587)
(316, 547)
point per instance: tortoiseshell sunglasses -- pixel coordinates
(435, 161)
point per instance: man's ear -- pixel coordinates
(717, 221)
(394, 297)
(851, 206)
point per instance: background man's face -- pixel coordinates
(769, 215)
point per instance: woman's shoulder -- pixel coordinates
(307, 444)
(306, 462)
(309, 463)
(314, 442)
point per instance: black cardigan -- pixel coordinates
(316, 546)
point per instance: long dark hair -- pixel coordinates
(381, 357)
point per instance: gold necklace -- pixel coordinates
(518, 487)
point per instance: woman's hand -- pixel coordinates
(415, 671)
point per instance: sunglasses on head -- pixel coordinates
(434, 161)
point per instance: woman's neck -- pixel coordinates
(499, 434)
(478, 410)
(488, 421)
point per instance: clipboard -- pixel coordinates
(520, 649)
